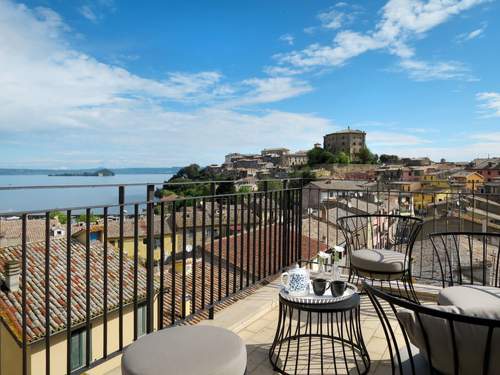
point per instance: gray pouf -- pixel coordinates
(189, 350)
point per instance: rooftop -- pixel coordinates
(342, 185)
(10, 302)
(347, 131)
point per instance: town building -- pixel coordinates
(493, 189)
(488, 168)
(416, 162)
(326, 191)
(349, 141)
(279, 151)
(389, 173)
(294, 159)
(405, 186)
(11, 310)
(10, 231)
(113, 236)
(467, 179)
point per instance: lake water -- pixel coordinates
(41, 199)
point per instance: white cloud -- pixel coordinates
(310, 30)
(269, 90)
(462, 152)
(489, 103)
(477, 33)
(487, 137)
(400, 22)
(288, 39)
(282, 71)
(87, 12)
(466, 147)
(347, 44)
(96, 10)
(332, 19)
(420, 70)
(52, 91)
(384, 138)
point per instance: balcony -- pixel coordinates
(114, 273)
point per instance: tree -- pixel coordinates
(305, 174)
(191, 172)
(60, 216)
(366, 157)
(319, 156)
(226, 187)
(83, 218)
(342, 158)
(162, 193)
(271, 185)
(389, 159)
(245, 189)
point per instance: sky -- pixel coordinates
(90, 83)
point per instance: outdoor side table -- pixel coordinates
(322, 338)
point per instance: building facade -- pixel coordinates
(349, 141)
(294, 159)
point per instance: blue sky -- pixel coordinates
(127, 83)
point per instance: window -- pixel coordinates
(94, 236)
(78, 348)
(141, 319)
(157, 243)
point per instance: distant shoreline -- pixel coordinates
(81, 172)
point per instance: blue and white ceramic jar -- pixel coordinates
(296, 281)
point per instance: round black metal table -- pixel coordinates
(319, 338)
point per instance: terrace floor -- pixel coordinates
(255, 318)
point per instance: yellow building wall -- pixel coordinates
(128, 246)
(474, 181)
(11, 352)
(422, 200)
(435, 182)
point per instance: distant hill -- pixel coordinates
(81, 172)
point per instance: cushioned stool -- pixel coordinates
(189, 350)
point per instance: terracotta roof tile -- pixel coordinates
(10, 302)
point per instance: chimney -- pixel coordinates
(3, 241)
(12, 275)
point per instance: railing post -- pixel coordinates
(286, 255)
(211, 309)
(150, 259)
(121, 202)
(298, 255)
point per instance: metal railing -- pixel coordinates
(182, 259)
(179, 260)
(441, 211)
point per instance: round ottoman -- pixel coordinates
(187, 350)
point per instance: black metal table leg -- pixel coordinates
(330, 340)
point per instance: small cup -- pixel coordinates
(338, 287)
(319, 286)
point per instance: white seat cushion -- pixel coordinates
(187, 351)
(470, 342)
(378, 261)
(476, 300)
